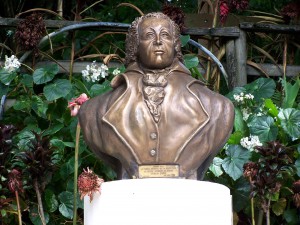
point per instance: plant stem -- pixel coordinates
(260, 217)
(252, 211)
(40, 203)
(268, 213)
(76, 174)
(19, 208)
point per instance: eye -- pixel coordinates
(149, 35)
(165, 35)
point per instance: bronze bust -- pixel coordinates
(157, 113)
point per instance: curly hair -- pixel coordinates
(132, 38)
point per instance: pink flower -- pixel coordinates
(89, 183)
(15, 181)
(75, 104)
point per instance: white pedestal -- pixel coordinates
(159, 201)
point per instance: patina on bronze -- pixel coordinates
(157, 113)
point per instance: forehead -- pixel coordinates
(153, 22)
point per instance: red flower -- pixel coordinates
(75, 104)
(224, 10)
(15, 181)
(89, 183)
(296, 196)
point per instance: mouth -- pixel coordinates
(159, 52)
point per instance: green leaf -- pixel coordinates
(27, 80)
(264, 127)
(45, 74)
(35, 217)
(53, 129)
(297, 165)
(279, 206)
(60, 88)
(98, 89)
(39, 106)
(6, 77)
(190, 60)
(66, 206)
(235, 138)
(184, 40)
(233, 164)
(215, 167)
(240, 194)
(239, 123)
(51, 200)
(290, 122)
(272, 109)
(291, 216)
(3, 212)
(291, 92)
(261, 88)
(3, 89)
(81, 87)
(68, 168)
(23, 104)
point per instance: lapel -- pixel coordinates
(180, 121)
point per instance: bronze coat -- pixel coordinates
(194, 124)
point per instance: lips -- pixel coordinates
(159, 52)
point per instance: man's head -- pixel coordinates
(153, 40)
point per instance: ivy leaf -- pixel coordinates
(190, 60)
(35, 217)
(233, 164)
(60, 88)
(279, 206)
(98, 89)
(290, 122)
(184, 40)
(45, 74)
(261, 88)
(215, 167)
(264, 127)
(7, 77)
(66, 206)
(51, 200)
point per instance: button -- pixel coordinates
(152, 152)
(153, 136)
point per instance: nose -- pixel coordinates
(158, 40)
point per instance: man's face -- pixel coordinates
(156, 48)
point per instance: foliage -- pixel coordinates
(37, 133)
(267, 134)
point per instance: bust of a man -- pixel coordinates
(157, 113)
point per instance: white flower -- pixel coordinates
(94, 72)
(249, 96)
(241, 97)
(250, 142)
(246, 113)
(11, 63)
(116, 72)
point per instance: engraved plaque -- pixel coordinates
(158, 171)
